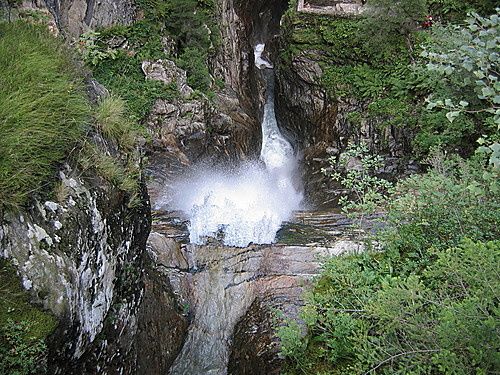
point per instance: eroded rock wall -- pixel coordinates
(316, 118)
(81, 258)
(229, 297)
(75, 17)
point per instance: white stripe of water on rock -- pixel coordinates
(249, 205)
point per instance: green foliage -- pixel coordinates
(194, 61)
(456, 199)
(23, 327)
(43, 108)
(366, 191)
(387, 23)
(467, 58)
(125, 177)
(190, 25)
(123, 77)
(92, 53)
(456, 10)
(428, 302)
(368, 59)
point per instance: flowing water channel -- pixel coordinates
(249, 204)
(243, 206)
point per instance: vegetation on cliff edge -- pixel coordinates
(426, 300)
(184, 31)
(23, 327)
(43, 109)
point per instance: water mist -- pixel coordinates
(249, 204)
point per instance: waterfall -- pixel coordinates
(250, 204)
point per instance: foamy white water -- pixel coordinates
(259, 61)
(250, 204)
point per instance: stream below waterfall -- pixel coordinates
(243, 206)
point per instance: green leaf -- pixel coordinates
(452, 115)
(487, 91)
(431, 105)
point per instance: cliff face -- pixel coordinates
(75, 17)
(314, 111)
(81, 258)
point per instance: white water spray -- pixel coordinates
(259, 61)
(249, 205)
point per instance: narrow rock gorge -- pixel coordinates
(171, 306)
(192, 198)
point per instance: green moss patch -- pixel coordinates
(23, 327)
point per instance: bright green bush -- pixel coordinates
(428, 301)
(456, 199)
(43, 109)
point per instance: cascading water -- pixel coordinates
(249, 205)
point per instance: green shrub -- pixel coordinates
(43, 109)
(456, 199)
(428, 302)
(23, 327)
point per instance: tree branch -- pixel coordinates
(400, 355)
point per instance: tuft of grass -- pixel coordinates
(43, 109)
(124, 177)
(112, 122)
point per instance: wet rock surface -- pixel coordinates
(162, 325)
(255, 348)
(229, 294)
(81, 259)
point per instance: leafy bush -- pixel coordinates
(91, 51)
(456, 199)
(466, 59)
(427, 303)
(43, 109)
(364, 319)
(18, 355)
(356, 172)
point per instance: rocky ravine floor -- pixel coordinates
(227, 293)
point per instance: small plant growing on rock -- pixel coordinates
(92, 50)
(365, 192)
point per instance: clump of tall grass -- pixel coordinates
(123, 176)
(113, 123)
(43, 109)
